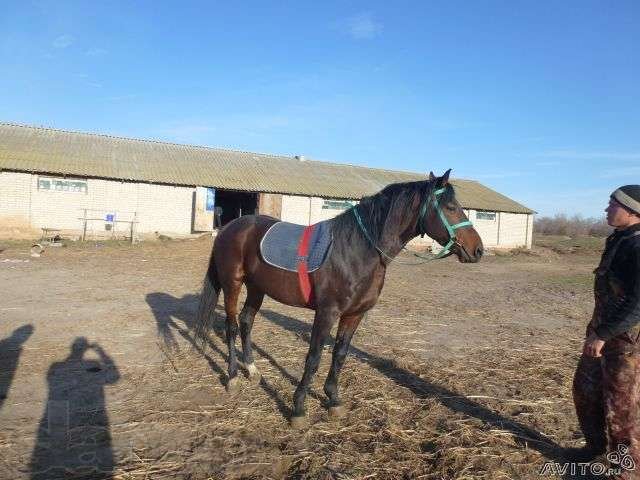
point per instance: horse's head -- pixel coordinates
(442, 218)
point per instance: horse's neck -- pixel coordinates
(392, 242)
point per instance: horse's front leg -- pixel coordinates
(322, 323)
(346, 329)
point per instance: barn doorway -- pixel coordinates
(234, 205)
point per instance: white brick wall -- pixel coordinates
(165, 208)
(161, 208)
(508, 230)
(319, 214)
(15, 197)
(295, 209)
(515, 230)
(487, 229)
(306, 210)
(168, 209)
(15, 206)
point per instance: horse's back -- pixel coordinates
(238, 258)
(246, 222)
(242, 233)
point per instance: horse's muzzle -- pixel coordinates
(465, 257)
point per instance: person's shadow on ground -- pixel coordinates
(74, 440)
(10, 350)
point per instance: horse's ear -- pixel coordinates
(432, 177)
(445, 177)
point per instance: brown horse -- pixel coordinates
(347, 284)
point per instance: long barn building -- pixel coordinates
(98, 185)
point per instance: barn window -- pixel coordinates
(62, 185)
(337, 204)
(486, 216)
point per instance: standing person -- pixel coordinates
(606, 386)
(217, 216)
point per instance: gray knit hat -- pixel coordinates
(628, 196)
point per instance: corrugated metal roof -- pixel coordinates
(35, 149)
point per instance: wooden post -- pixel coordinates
(84, 226)
(133, 222)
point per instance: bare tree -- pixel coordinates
(562, 224)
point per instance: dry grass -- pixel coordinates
(479, 416)
(460, 372)
(584, 245)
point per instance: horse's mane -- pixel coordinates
(376, 210)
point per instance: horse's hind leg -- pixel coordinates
(346, 329)
(231, 294)
(322, 324)
(251, 306)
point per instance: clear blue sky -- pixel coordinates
(539, 100)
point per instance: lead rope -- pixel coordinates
(383, 254)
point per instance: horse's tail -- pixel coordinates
(208, 301)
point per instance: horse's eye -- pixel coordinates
(451, 208)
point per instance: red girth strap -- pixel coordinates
(303, 272)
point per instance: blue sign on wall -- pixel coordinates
(211, 199)
(109, 217)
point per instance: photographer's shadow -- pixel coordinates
(74, 439)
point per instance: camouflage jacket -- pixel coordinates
(616, 316)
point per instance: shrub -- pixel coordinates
(574, 226)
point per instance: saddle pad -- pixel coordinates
(279, 246)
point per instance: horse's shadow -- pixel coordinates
(524, 435)
(166, 308)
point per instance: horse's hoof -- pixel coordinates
(299, 422)
(253, 373)
(233, 385)
(336, 412)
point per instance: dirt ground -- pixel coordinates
(460, 371)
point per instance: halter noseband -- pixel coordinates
(451, 229)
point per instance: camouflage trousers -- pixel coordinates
(606, 394)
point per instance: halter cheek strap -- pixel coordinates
(451, 229)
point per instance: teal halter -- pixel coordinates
(451, 229)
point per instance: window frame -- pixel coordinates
(62, 184)
(331, 204)
(486, 215)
